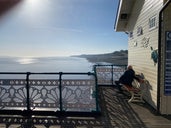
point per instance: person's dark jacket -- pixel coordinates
(128, 77)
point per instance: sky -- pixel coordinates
(42, 28)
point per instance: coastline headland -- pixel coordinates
(116, 58)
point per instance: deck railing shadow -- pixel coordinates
(48, 122)
(118, 111)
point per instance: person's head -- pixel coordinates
(129, 67)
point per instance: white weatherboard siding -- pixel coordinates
(139, 52)
(141, 24)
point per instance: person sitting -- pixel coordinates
(127, 78)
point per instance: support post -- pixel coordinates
(27, 90)
(60, 91)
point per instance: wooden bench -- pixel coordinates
(136, 91)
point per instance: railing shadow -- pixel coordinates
(51, 122)
(117, 109)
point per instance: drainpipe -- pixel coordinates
(159, 53)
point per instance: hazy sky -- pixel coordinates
(60, 28)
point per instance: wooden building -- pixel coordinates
(148, 25)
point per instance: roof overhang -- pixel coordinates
(123, 13)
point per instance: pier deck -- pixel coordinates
(116, 112)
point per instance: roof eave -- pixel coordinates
(123, 13)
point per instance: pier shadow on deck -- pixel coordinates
(116, 112)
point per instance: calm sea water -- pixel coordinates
(44, 64)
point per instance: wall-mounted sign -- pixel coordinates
(145, 42)
(154, 55)
(167, 85)
(135, 43)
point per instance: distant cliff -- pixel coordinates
(117, 57)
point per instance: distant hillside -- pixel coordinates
(117, 57)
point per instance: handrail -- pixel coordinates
(49, 73)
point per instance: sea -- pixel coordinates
(44, 65)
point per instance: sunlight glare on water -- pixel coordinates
(26, 60)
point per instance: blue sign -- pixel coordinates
(167, 85)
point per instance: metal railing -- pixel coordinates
(108, 74)
(57, 93)
(48, 93)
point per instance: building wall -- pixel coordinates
(165, 107)
(139, 44)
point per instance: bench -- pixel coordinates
(136, 91)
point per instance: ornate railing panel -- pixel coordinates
(108, 74)
(12, 94)
(44, 94)
(78, 95)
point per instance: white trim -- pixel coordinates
(152, 21)
(118, 15)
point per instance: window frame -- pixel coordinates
(152, 22)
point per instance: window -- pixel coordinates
(152, 23)
(139, 30)
(130, 34)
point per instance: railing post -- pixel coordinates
(27, 90)
(95, 72)
(96, 89)
(60, 91)
(112, 75)
(96, 86)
